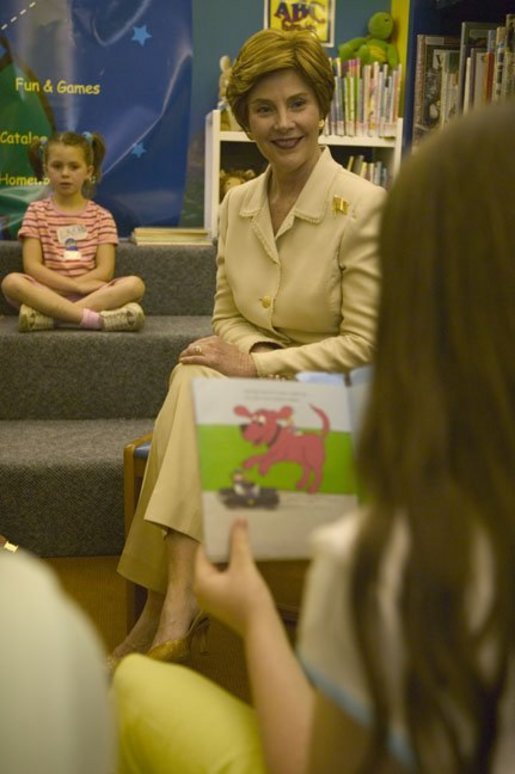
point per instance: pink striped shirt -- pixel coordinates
(69, 241)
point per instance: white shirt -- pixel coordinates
(56, 716)
(328, 649)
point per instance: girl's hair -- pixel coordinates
(91, 143)
(270, 50)
(438, 441)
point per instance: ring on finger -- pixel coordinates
(197, 350)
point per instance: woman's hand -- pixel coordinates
(216, 353)
(237, 595)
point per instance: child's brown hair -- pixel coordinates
(91, 143)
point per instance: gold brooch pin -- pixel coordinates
(340, 205)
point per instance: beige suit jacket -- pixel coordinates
(312, 287)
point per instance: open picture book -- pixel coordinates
(279, 454)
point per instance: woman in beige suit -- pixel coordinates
(297, 283)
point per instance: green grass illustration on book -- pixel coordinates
(271, 451)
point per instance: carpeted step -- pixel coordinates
(74, 374)
(61, 484)
(180, 279)
(70, 400)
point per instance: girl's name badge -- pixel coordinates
(68, 236)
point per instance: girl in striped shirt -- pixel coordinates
(69, 245)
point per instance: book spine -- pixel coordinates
(508, 79)
(346, 103)
(498, 63)
(418, 96)
(360, 109)
(477, 67)
(397, 80)
(383, 99)
(340, 126)
(449, 98)
(462, 107)
(444, 96)
(388, 106)
(466, 86)
(358, 163)
(488, 81)
(351, 130)
(356, 76)
(373, 101)
(366, 97)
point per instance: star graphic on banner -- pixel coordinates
(138, 150)
(141, 35)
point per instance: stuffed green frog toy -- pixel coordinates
(375, 47)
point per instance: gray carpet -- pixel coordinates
(70, 400)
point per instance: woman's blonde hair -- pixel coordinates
(270, 50)
(438, 442)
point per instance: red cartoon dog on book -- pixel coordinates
(285, 443)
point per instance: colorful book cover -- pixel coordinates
(428, 83)
(449, 91)
(278, 453)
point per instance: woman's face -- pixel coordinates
(284, 115)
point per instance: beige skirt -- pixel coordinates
(170, 493)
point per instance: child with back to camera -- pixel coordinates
(69, 245)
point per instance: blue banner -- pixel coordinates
(122, 68)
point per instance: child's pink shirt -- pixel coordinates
(69, 241)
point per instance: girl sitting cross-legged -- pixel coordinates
(69, 245)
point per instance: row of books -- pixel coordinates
(457, 73)
(375, 171)
(366, 99)
(489, 71)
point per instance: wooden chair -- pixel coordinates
(135, 456)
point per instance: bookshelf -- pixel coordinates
(233, 149)
(440, 17)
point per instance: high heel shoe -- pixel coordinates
(174, 651)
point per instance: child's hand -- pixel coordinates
(86, 285)
(237, 594)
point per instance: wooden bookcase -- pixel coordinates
(229, 149)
